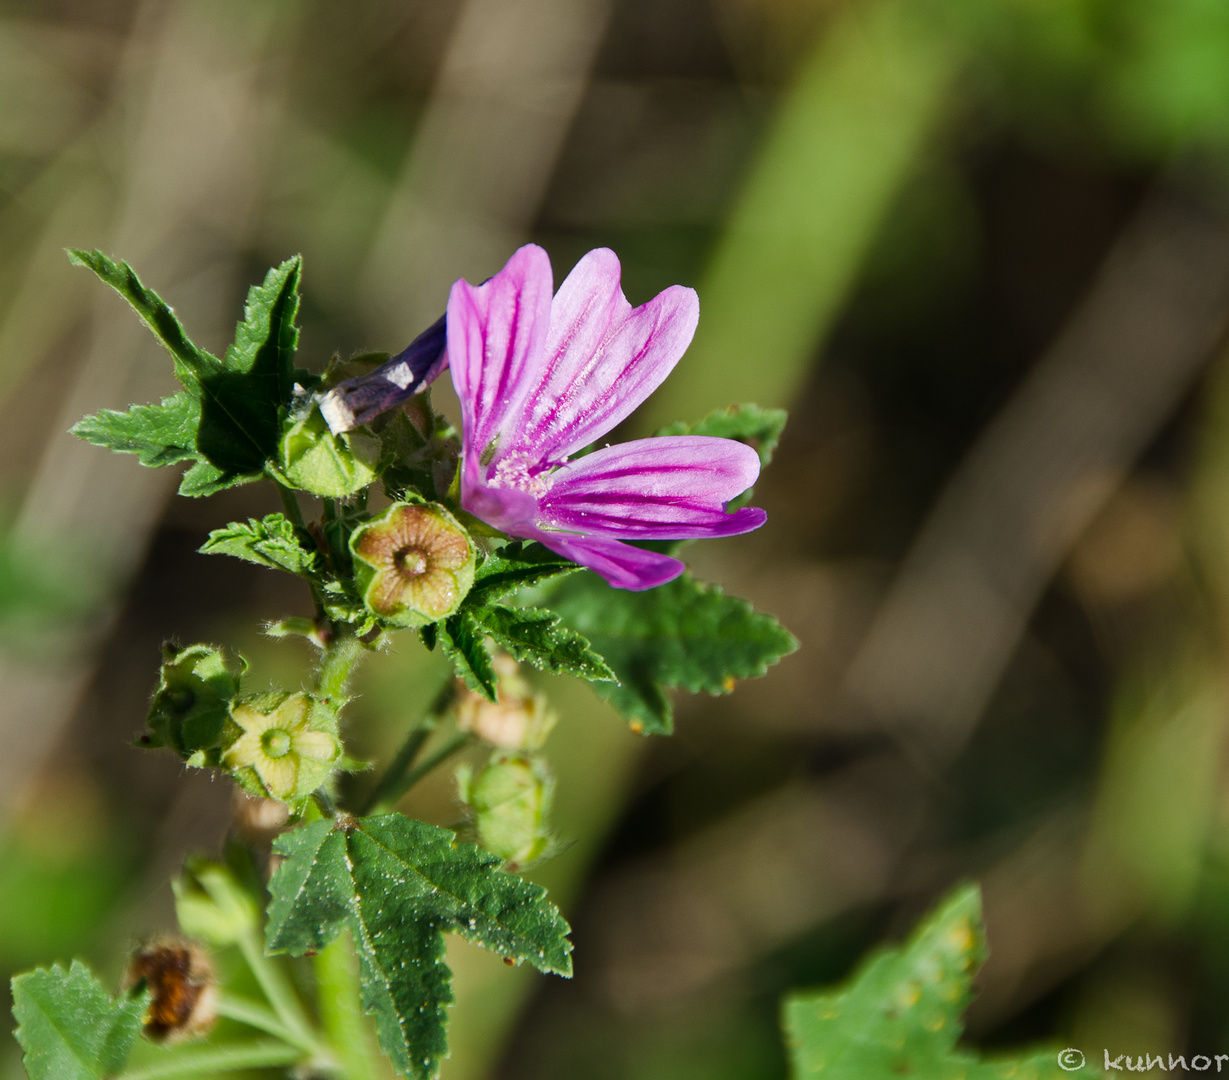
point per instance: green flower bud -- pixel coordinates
(313, 459)
(273, 748)
(195, 687)
(510, 799)
(211, 905)
(414, 564)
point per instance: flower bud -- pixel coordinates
(518, 719)
(189, 708)
(413, 564)
(312, 458)
(274, 749)
(182, 986)
(510, 799)
(211, 905)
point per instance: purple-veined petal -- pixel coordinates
(356, 401)
(669, 488)
(496, 334)
(506, 508)
(603, 357)
(623, 566)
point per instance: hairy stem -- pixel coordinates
(277, 989)
(208, 1060)
(459, 741)
(290, 504)
(340, 655)
(395, 773)
(341, 1009)
(257, 1016)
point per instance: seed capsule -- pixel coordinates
(414, 564)
(273, 749)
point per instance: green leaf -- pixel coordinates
(229, 415)
(191, 363)
(70, 1028)
(399, 885)
(271, 541)
(899, 1015)
(758, 428)
(516, 566)
(538, 637)
(158, 434)
(681, 634)
(463, 640)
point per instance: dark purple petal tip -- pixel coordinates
(358, 401)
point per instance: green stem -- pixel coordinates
(277, 989)
(394, 791)
(341, 1010)
(207, 1060)
(257, 1016)
(291, 505)
(410, 749)
(342, 652)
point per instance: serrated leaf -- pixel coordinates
(228, 417)
(158, 434)
(463, 641)
(682, 634)
(69, 1026)
(271, 542)
(899, 1015)
(758, 428)
(516, 566)
(399, 885)
(538, 637)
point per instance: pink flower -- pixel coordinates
(541, 377)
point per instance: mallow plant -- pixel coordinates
(508, 545)
(519, 542)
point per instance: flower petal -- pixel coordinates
(623, 566)
(669, 488)
(602, 359)
(496, 334)
(356, 401)
(316, 745)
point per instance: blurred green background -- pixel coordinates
(979, 248)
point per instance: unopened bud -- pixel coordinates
(312, 458)
(413, 564)
(510, 799)
(211, 905)
(182, 985)
(518, 719)
(189, 708)
(273, 749)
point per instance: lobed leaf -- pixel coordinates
(228, 416)
(899, 1015)
(681, 634)
(399, 885)
(538, 637)
(272, 542)
(69, 1026)
(516, 566)
(463, 640)
(158, 434)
